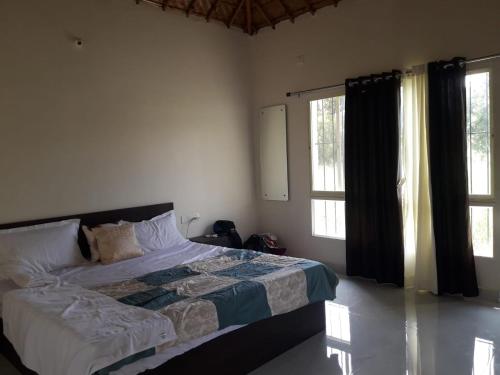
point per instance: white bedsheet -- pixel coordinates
(96, 274)
(92, 331)
(5, 286)
(92, 274)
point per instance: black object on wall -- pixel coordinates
(374, 231)
(456, 271)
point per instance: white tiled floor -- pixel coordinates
(373, 329)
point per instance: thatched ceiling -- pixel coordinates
(249, 15)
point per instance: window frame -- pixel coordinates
(474, 199)
(317, 194)
(486, 200)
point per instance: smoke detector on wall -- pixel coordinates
(78, 42)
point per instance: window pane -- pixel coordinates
(319, 217)
(328, 218)
(327, 144)
(479, 182)
(482, 230)
(478, 133)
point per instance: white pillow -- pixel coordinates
(27, 251)
(159, 233)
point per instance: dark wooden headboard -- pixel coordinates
(95, 218)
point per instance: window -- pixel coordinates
(328, 218)
(327, 164)
(481, 218)
(327, 167)
(479, 162)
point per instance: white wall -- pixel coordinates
(154, 108)
(359, 37)
(157, 107)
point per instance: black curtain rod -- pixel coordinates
(300, 92)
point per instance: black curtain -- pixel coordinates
(456, 271)
(374, 233)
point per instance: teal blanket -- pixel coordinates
(235, 288)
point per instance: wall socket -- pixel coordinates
(190, 218)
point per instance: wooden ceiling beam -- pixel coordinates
(264, 14)
(235, 13)
(310, 7)
(287, 11)
(210, 11)
(248, 4)
(248, 24)
(189, 7)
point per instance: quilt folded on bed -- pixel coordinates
(66, 329)
(237, 287)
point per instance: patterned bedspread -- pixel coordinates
(237, 287)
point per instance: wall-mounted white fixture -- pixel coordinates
(188, 220)
(273, 153)
(300, 60)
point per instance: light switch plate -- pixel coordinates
(190, 218)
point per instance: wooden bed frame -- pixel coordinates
(236, 352)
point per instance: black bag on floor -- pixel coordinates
(265, 243)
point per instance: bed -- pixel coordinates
(236, 349)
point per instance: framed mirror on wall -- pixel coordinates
(273, 153)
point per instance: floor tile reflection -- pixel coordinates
(377, 329)
(484, 357)
(343, 358)
(337, 322)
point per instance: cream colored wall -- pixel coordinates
(156, 107)
(153, 108)
(359, 37)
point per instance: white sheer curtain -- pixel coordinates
(420, 258)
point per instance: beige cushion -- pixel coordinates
(92, 240)
(117, 243)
